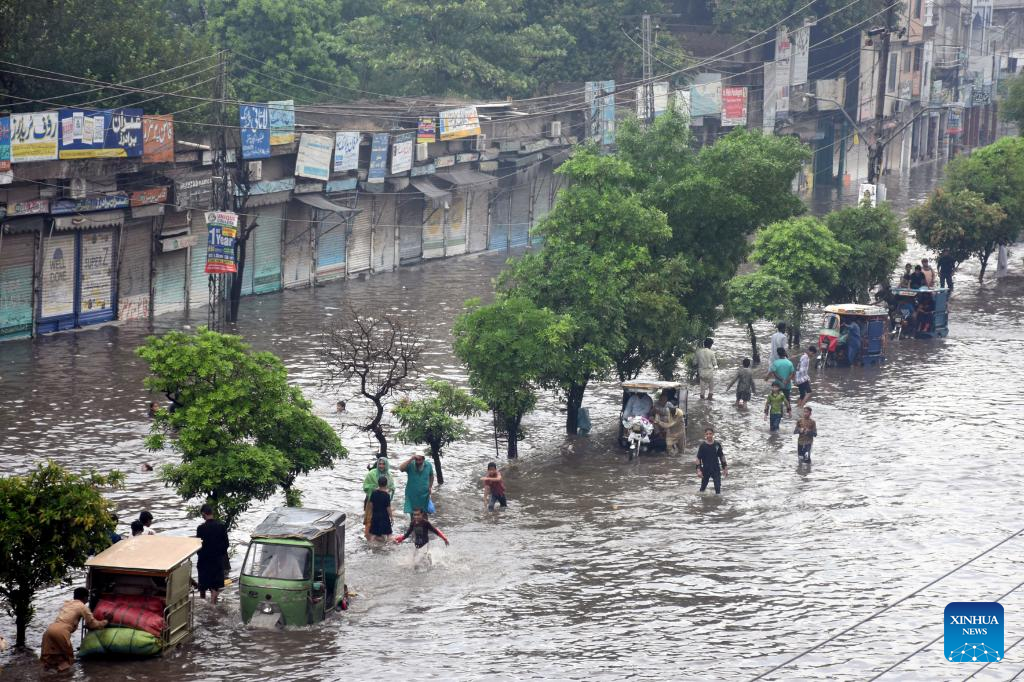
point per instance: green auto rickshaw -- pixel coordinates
(294, 569)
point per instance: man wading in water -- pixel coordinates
(709, 454)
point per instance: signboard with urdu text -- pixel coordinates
(222, 232)
(459, 123)
(34, 136)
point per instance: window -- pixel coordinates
(918, 57)
(891, 85)
(281, 562)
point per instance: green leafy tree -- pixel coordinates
(960, 222)
(876, 243)
(436, 420)
(805, 254)
(51, 521)
(758, 296)
(242, 432)
(508, 347)
(835, 16)
(1011, 108)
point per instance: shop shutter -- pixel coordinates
(500, 220)
(17, 255)
(297, 251)
(541, 199)
(199, 284)
(477, 215)
(134, 269)
(58, 277)
(97, 268)
(384, 233)
(410, 229)
(433, 230)
(455, 240)
(330, 246)
(362, 237)
(250, 262)
(519, 232)
(267, 273)
(169, 286)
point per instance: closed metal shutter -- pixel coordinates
(267, 273)
(58, 277)
(433, 231)
(476, 216)
(169, 286)
(330, 246)
(522, 199)
(17, 256)
(455, 240)
(499, 237)
(297, 251)
(410, 229)
(97, 268)
(362, 237)
(541, 199)
(384, 233)
(250, 262)
(133, 271)
(199, 284)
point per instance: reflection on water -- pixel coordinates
(600, 569)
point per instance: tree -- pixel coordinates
(960, 222)
(836, 16)
(508, 346)
(51, 521)
(758, 296)
(379, 351)
(876, 243)
(805, 254)
(436, 420)
(1011, 108)
(243, 433)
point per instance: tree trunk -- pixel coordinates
(512, 429)
(21, 604)
(572, 404)
(983, 259)
(755, 358)
(794, 330)
(435, 454)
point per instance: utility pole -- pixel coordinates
(875, 153)
(648, 66)
(221, 192)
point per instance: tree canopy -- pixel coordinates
(996, 172)
(1011, 108)
(959, 222)
(876, 242)
(758, 296)
(436, 420)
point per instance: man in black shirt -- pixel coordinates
(212, 555)
(947, 264)
(917, 278)
(709, 454)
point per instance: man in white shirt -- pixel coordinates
(778, 341)
(803, 374)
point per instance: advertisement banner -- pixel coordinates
(781, 89)
(113, 134)
(660, 96)
(681, 100)
(831, 93)
(5, 144)
(222, 232)
(426, 130)
(706, 95)
(194, 190)
(314, 158)
(34, 136)
(734, 107)
(106, 202)
(58, 276)
(401, 153)
(378, 158)
(770, 90)
(459, 123)
(608, 112)
(801, 41)
(146, 197)
(593, 110)
(254, 125)
(282, 121)
(158, 138)
(346, 151)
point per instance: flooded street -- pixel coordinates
(600, 569)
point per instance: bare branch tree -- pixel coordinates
(377, 351)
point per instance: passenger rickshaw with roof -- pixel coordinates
(837, 331)
(636, 418)
(294, 569)
(920, 313)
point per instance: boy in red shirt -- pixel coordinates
(495, 485)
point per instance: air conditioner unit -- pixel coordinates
(255, 169)
(480, 143)
(422, 151)
(555, 129)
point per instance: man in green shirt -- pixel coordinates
(773, 406)
(781, 372)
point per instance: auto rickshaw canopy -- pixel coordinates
(152, 553)
(299, 523)
(857, 310)
(650, 386)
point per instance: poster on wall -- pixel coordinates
(254, 125)
(282, 121)
(158, 138)
(34, 136)
(378, 158)
(113, 134)
(770, 89)
(459, 123)
(314, 157)
(801, 42)
(426, 130)
(734, 107)
(5, 144)
(222, 231)
(706, 95)
(96, 280)
(401, 153)
(346, 151)
(58, 276)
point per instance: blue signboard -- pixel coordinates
(100, 134)
(379, 158)
(105, 202)
(254, 122)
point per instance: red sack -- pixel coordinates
(132, 611)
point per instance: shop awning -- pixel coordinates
(86, 221)
(321, 202)
(463, 177)
(18, 225)
(430, 190)
(268, 199)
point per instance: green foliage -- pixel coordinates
(758, 296)
(755, 15)
(996, 172)
(1011, 108)
(241, 430)
(436, 420)
(876, 243)
(51, 521)
(960, 222)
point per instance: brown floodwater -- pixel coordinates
(600, 569)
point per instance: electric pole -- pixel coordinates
(648, 67)
(221, 192)
(875, 153)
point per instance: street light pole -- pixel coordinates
(875, 151)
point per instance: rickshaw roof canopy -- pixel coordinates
(857, 309)
(907, 291)
(158, 553)
(299, 522)
(650, 386)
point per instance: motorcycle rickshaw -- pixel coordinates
(294, 569)
(863, 325)
(920, 313)
(636, 419)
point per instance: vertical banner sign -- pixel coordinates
(222, 233)
(608, 112)
(378, 158)
(734, 107)
(282, 121)
(459, 123)
(314, 157)
(706, 95)
(770, 91)
(801, 52)
(125, 133)
(782, 71)
(5, 144)
(682, 102)
(425, 130)
(591, 89)
(34, 136)
(254, 122)
(158, 138)
(600, 98)
(346, 151)
(401, 153)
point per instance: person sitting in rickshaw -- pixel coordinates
(924, 312)
(638, 405)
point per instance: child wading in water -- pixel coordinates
(744, 381)
(380, 512)
(494, 487)
(419, 529)
(808, 429)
